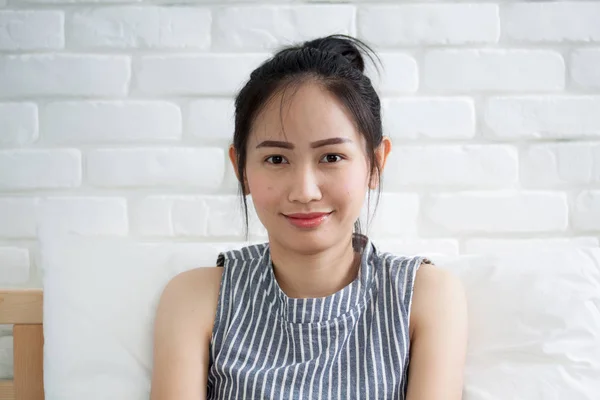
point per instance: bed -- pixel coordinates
(24, 309)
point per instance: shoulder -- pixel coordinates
(191, 297)
(194, 283)
(182, 333)
(438, 335)
(437, 292)
(193, 279)
(246, 253)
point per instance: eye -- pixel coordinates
(331, 158)
(276, 160)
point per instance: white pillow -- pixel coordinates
(534, 318)
(534, 324)
(100, 297)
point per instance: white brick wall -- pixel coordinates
(584, 68)
(31, 30)
(549, 117)
(139, 28)
(194, 74)
(32, 169)
(429, 24)
(110, 122)
(59, 74)
(264, 27)
(553, 22)
(19, 122)
(148, 167)
(435, 118)
(492, 165)
(115, 116)
(481, 70)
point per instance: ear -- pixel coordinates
(381, 154)
(233, 158)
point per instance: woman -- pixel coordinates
(318, 311)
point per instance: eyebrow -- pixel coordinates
(314, 145)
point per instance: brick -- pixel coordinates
(14, 265)
(452, 165)
(84, 215)
(489, 246)
(584, 68)
(185, 216)
(140, 27)
(18, 216)
(212, 119)
(399, 73)
(39, 169)
(561, 164)
(270, 27)
(396, 215)
(206, 74)
(586, 211)
(434, 24)
(31, 30)
(194, 216)
(435, 118)
(188, 167)
(19, 122)
(498, 70)
(190, 216)
(226, 218)
(497, 212)
(543, 117)
(110, 121)
(64, 74)
(151, 216)
(573, 21)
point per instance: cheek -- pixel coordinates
(350, 186)
(359, 177)
(264, 192)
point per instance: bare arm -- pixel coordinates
(182, 331)
(439, 336)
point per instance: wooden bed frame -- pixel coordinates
(24, 309)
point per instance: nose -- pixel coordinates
(304, 186)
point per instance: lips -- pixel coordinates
(307, 215)
(307, 220)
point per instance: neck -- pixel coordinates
(315, 275)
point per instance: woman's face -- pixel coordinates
(306, 169)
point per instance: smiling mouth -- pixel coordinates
(307, 220)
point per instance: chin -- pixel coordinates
(306, 241)
(306, 246)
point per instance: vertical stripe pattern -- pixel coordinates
(353, 344)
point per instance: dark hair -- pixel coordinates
(336, 62)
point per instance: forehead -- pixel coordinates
(302, 114)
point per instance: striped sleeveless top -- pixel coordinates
(353, 344)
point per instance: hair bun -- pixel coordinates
(346, 46)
